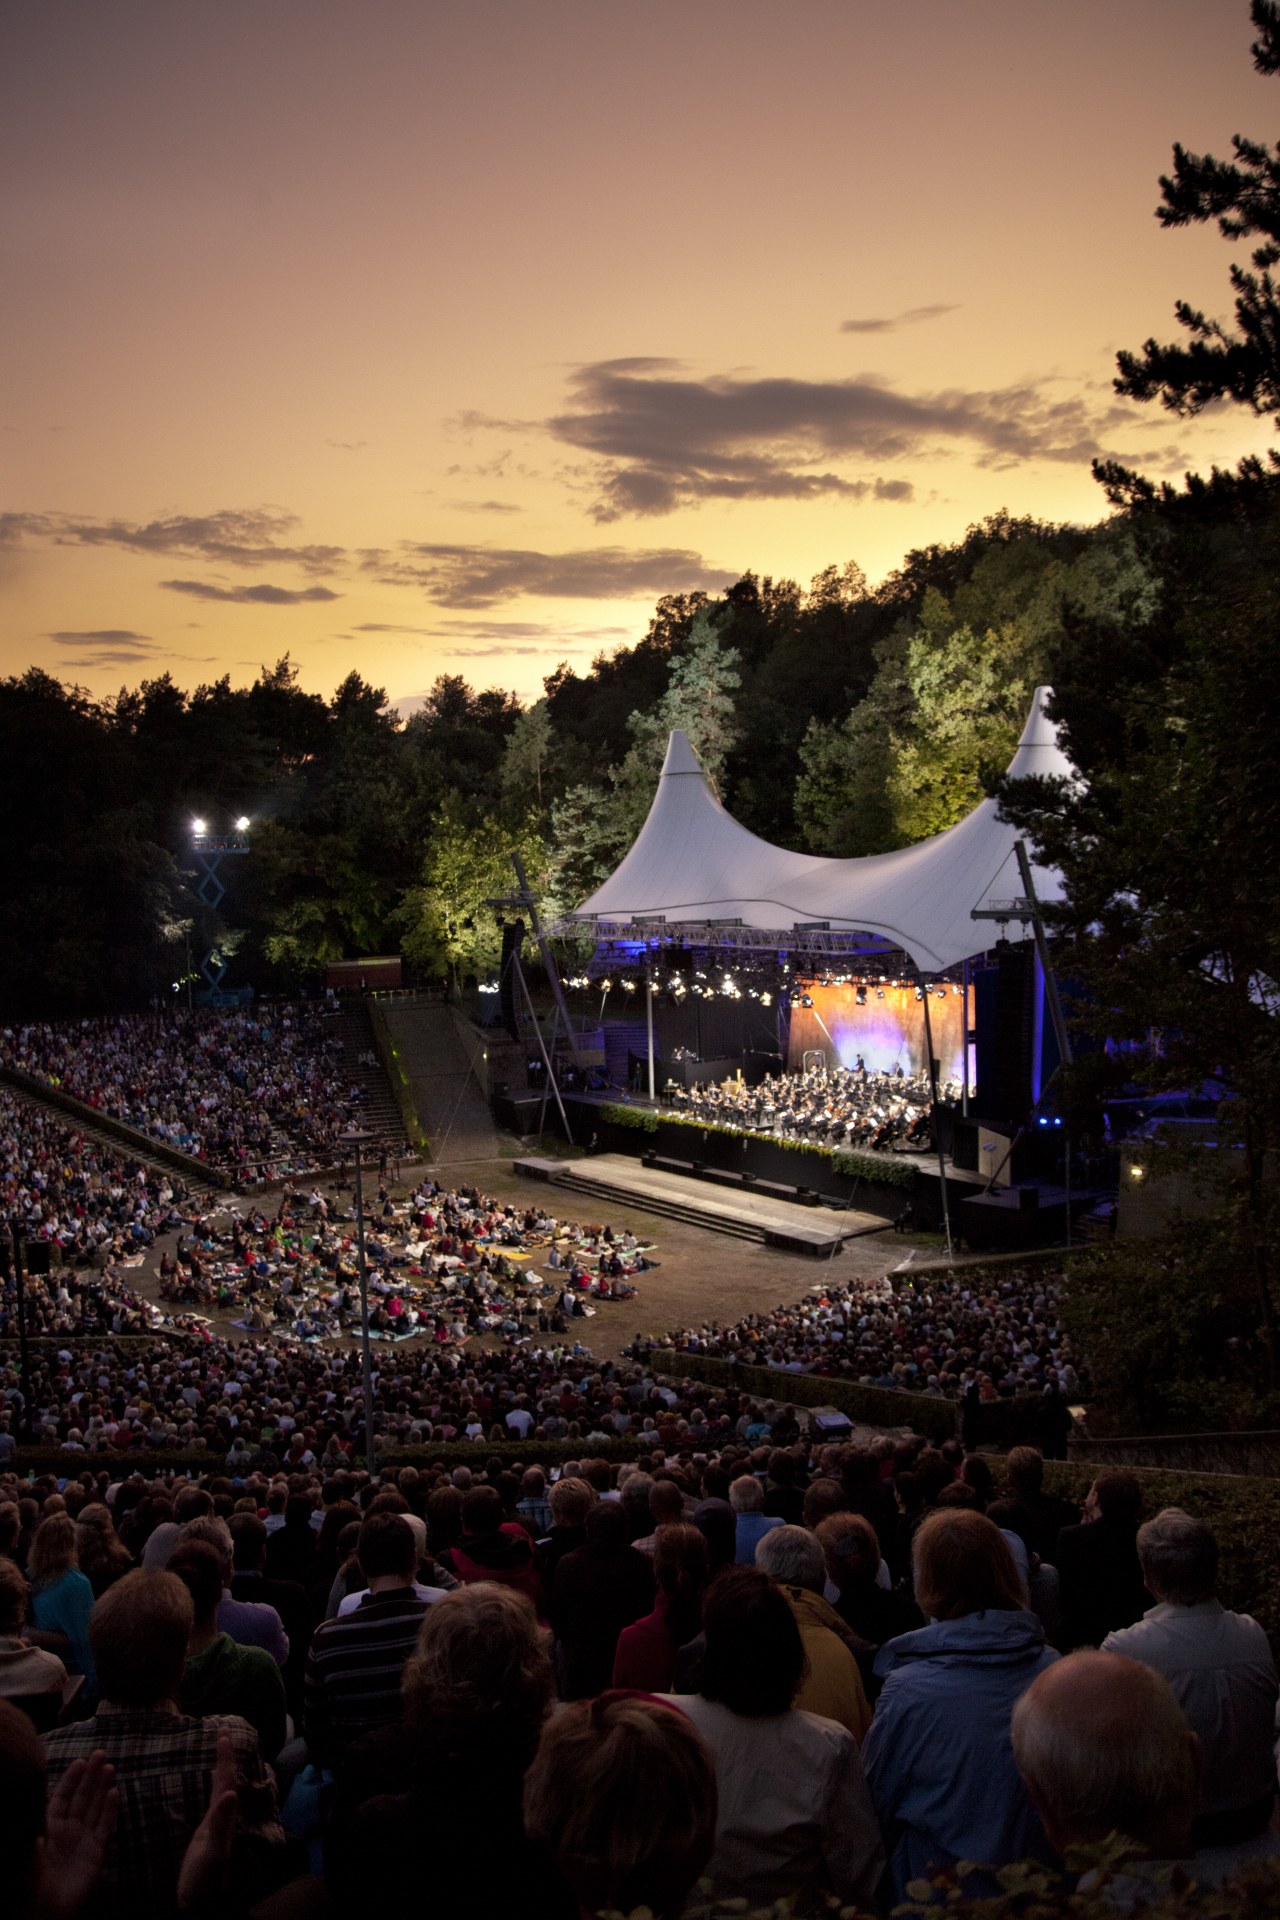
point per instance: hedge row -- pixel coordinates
(869, 1406)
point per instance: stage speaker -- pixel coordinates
(1028, 1199)
(512, 940)
(1005, 1062)
(35, 1256)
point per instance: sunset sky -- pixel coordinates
(423, 337)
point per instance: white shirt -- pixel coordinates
(1220, 1667)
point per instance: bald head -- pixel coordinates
(1103, 1747)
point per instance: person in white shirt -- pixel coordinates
(1221, 1669)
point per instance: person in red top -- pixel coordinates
(646, 1656)
(494, 1549)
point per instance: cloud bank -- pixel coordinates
(477, 577)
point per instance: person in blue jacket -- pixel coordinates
(938, 1757)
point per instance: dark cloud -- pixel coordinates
(238, 537)
(485, 506)
(462, 576)
(104, 636)
(102, 647)
(260, 596)
(907, 319)
(664, 440)
(501, 630)
(347, 446)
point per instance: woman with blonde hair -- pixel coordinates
(61, 1598)
(939, 1758)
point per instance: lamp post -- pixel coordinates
(355, 1138)
(210, 849)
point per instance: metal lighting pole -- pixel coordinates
(24, 1352)
(355, 1138)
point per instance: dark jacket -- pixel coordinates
(597, 1592)
(1100, 1582)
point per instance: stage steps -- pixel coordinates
(818, 1233)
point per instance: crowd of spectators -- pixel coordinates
(975, 1339)
(838, 1107)
(446, 1262)
(261, 1093)
(801, 1670)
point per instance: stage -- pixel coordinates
(768, 1219)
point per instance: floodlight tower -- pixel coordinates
(211, 849)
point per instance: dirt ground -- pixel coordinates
(700, 1275)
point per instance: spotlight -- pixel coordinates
(919, 994)
(199, 826)
(766, 999)
(242, 824)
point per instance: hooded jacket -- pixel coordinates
(938, 1757)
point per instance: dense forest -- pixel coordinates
(838, 719)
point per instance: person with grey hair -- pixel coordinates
(746, 1497)
(832, 1685)
(1103, 1748)
(250, 1623)
(1220, 1667)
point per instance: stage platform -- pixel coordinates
(819, 1231)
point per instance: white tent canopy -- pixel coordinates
(693, 863)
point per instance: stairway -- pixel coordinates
(378, 1111)
(621, 1039)
(449, 1101)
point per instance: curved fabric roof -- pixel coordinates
(693, 862)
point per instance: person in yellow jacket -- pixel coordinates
(833, 1687)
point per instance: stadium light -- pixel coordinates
(199, 826)
(242, 824)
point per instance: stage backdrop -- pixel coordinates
(885, 1032)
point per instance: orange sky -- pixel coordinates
(432, 338)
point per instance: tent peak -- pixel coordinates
(681, 757)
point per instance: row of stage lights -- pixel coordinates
(703, 987)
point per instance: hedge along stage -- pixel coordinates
(879, 1170)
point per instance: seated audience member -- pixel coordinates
(938, 1758)
(222, 1677)
(164, 1761)
(795, 1818)
(1040, 1579)
(570, 1501)
(100, 1553)
(1104, 1748)
(832, 1685)
(249, 1625)
(272, 1614)
(746, 1497)
(445, 1787)
(851, 1549)
(61, 1598)
(1220, 1667)
(492, 1549)
(599, 1589)
(1046, 1513)
(354, 1664)
(1100, 1583)
(28, 1674)
(717, 1522)
(666, 1506)
(646, 1656)
(623, 1797)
